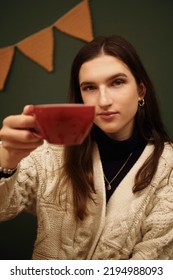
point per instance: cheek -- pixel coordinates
(88, 99)
(132, 100)
(131, 108)
(129, 105)
(84, 98)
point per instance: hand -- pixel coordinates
(18, 138)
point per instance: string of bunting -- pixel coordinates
(39, 47)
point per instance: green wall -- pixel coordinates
(146, 24)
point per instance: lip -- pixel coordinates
(107, 115)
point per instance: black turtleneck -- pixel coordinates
(115, 153)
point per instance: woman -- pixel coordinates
(112, 196)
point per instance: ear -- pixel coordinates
(141, 91)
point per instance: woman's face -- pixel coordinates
(108, 84)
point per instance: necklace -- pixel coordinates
(109, 187)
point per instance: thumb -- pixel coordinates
(28, 110)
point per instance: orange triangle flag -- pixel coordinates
(77, 22)
(6, 58)
(39, 48)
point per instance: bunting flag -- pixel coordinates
(39, 47)
(6, 58)
(77, 22)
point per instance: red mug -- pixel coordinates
(66, 124)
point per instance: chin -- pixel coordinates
(107, 130)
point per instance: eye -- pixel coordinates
(88, 88)
(118, 82)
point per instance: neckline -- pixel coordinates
(110, 148)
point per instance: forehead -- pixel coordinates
(103, 65)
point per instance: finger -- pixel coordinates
(20, 121)
(22, 147)
(18, 135)
(28, 110)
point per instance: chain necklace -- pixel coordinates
(109, 187)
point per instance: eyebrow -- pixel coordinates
(107, 80)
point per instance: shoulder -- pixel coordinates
(164, 173)
(167, 155)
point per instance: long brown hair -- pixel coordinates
(78, 159)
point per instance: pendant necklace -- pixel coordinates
(109, 187)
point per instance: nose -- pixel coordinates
(104, 98)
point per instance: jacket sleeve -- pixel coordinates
(157, 228)
(18, 192)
